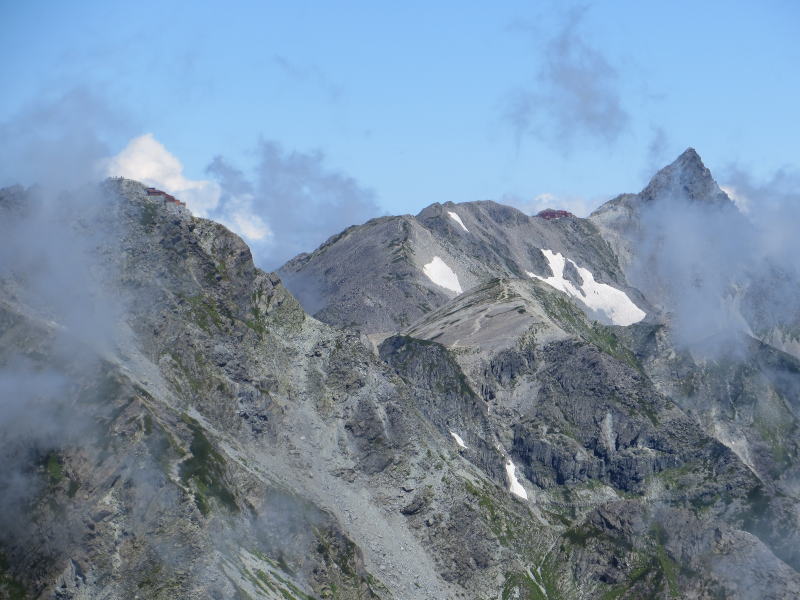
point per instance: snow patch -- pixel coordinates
(514, 486)
(457, 219)
(600, 297)
(458, 439)
(442, 275)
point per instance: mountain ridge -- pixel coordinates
(505, 442)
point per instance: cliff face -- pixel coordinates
(176, 426)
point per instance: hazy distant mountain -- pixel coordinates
(535, 415)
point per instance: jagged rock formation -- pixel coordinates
(496, 436)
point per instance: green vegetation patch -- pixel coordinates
(493, 514)
(518, 533)
(258, 323)
(206, 469)
(147, 217)
(283, 586)
(582, 534)
(578, 536)
(520, 586)
(195, 383)
(55, 470)
(10, 587)
(344, 578)
(148, 424)
(205, 312)
(573, 320)
(654, 573)
(655, 576)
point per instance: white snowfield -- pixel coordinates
(458, 220)
(458, 439)
(601, 297)
(442, 275)
(514, 486)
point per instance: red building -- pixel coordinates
(550, 214)
(151, 191)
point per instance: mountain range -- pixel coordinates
(467, 403)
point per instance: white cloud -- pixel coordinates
(237, 215)
(145, 159)
(580, 207)
(250, 226)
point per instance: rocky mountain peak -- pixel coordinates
(687, 177)
(480, 209)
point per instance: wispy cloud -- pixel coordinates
(309, 75)
(657, 149)
(575, 93)
(292, 195)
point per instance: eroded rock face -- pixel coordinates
(196, 434)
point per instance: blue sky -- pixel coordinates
(417, 102)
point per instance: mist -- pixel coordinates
(58, 314)
(63, 313)
(58, 321)
(719, 272)
(59, 143)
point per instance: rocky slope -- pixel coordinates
(389, 272)
(177, 426)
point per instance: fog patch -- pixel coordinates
(58, 312)
(58, 318)
(307, 288)
(58, 143)
(720, 274)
